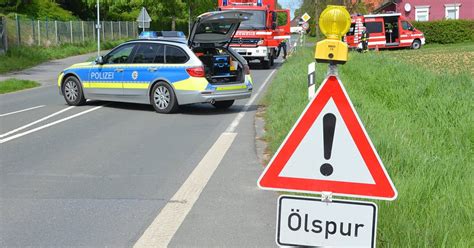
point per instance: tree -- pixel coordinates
(315, 7)
(196, 7)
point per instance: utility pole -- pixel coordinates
(189, 19)
(98, 29)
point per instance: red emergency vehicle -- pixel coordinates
(259, 37)
(385, 31)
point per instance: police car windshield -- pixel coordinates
(255, 22)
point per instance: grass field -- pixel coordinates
(19, 58)
(12, 85)
(455, 58)
(419, 116)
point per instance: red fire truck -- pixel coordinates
(385, 31)
(259, 37)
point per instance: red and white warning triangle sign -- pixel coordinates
(329, 150)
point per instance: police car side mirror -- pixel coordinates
(99, 60)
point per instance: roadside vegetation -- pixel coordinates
(19, 58)
(165, 14)
(12, 85)
(417, 108)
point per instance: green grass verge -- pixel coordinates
(19, 58)
(421, 124)
(12, 85)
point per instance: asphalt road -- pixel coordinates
(99, 175)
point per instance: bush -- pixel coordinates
(447, 31)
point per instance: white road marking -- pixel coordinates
(164, 226)
(231, 128)
(23, 110)
(50, 124)
(35, 122)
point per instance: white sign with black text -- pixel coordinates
(305, 221)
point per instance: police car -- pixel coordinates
(167, 74)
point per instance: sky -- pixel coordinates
(290, 4)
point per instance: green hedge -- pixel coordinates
(447, 31)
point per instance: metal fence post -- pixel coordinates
(126, 28)
(83, 36)
(56, 31)
(39, 33)
(18, 34)
(112, 29)
(93, 30)
(103, 30)
(3, 35)
(47, 29)
(120, 30)
(70, 25)
(33, 30)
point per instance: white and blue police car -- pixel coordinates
(167, 73)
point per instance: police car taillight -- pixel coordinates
(247, 69)
(196, 71)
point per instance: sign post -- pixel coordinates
(98, 27)
(328, 152)
(311, 78)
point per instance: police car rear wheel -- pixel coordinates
(223, 104)
(72, 92)
(163, 99)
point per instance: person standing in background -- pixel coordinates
(365, 40)
(283, 45)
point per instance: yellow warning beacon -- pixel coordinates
(334, 22)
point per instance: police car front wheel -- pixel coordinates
(72, 92)
(163, 99)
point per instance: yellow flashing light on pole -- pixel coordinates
(334, 22)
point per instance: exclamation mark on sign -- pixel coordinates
(329, 125)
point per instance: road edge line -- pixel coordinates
(165, 225)
(233, 125)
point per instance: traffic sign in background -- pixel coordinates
(305, 26)
(305, 17)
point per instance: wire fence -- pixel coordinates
(27, 32)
